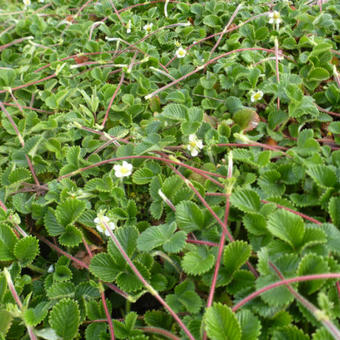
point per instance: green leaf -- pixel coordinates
(287, 227)
(334, 210)
(221, 323)
(7, 243)
(189, 216)
(246, 200)
(19, 175)
(312, 264)
(174, 112)
(212, 21)
(65, 312)
(235, 255)
(142, 176)
(103, 266)
(5, 322)
(185, 298)
(68, 211)
(71, 237)
(53, 227)
(33, 316)
(163, 234)
(129, 282)
(322, 175)
(333, 236)
(334, 127)
(318, 74)
(60, 290)
(198, 261)
(250, 325)
(289, 332)
(26, 250)
(62, 273)
(157, 318)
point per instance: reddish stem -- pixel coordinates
(328, 112)
(146, 284)
(31, 83)
(16, 41)
(113, 97)
(108, 316)
(282, 283)
(207, 243)
(264, 146)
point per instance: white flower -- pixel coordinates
(128, 27)
(194, 145)
(27, 3)
(275, 18)
(256, 96)
(50, 269)
(181, 53)
(148, 28)
(42, 1)
(100, 222)
(123, 170)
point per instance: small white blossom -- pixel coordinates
(50, 269)
(275, 18)
(100, 222)
(194, 145)
(177, 43)
(256, 96)
(181, 53)
(26, 3)
(128, 27)
(148, 28)
(123, 170)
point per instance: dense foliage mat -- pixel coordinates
(169, 169)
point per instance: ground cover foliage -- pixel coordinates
(169, 169)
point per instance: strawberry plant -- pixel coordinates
(169, 169)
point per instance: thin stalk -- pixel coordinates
(17, 300)
(21, 140)
(146, 284)
(16, 41)
(282, 283)
(317, 313)
(328, 112)
(263, 146)
(107, 161)
(18, 230)
(113, 97)
(80, 263)
(108, 316)
(277, 68)
(206, 243)
(199, 68)
(117, 13)
(29, 84)
(156, 330)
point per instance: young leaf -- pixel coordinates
(221, 323)
(26, 250)
(54, 228)
(65, 312)
(33, 316)
(71, 237)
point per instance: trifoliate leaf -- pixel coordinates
(26, 250)
(287, 227)
(68, 211)
(64, 318)
(185, 298)
(7, 243)
(312, 264)
(235, 255)
(250, 325)
(221, 323)
(246, 200)
(103, 266)
(189, 216)
(176, 242)
(198, 261)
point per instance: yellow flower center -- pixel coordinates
(276, 15)
(257, 96)
(193, 144)
(124, 170)
(181, 53)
